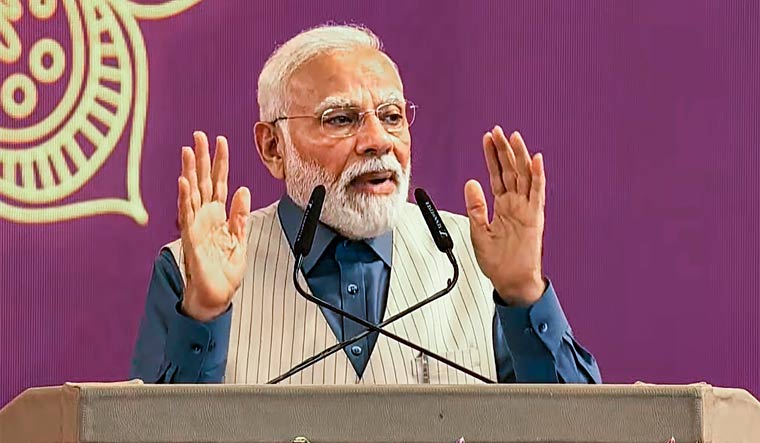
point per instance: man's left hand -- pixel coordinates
(508, 249)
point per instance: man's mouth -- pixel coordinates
(378, 182)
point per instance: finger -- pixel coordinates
(523, 163)
(477, 208)
(220, 170)
(492, 162)
(538, 185)
(189, 173)
(507, 160)
(203, 165)
(186, 214)
(239, 211)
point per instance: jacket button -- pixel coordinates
(356, 350)
(352, 289)
(543, 327)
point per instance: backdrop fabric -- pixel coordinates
(646, 112)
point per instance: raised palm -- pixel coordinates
(508, 248)
(214, 247)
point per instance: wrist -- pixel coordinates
(197, 311)
(524, 293)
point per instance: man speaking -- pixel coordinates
(222, 305)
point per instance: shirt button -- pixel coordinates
(356, 350)
(543, 327)
(352, 289)
(196, 349)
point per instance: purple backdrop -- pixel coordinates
(646, 112)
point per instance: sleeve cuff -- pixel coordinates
(525, 328)
(195, 348)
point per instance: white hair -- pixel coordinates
(285, 61)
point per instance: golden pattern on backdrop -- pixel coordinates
(47, 161)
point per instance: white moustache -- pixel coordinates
(386, 163)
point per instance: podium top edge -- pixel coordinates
(136, 386)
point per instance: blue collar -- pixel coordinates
(290, 219)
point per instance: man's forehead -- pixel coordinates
(347, 79)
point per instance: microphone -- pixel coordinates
(433, 221)
(305, 237)
(304, 241)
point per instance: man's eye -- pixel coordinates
(337, 120)
(393, 118)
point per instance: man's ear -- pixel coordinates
(269, 144)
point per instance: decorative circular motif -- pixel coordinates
(52, 48)
(24, 84)
(43, 9)
(11, 9)
(48, 125)
(66, 148)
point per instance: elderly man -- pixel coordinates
(222, 306)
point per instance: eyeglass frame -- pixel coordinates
(362, 114)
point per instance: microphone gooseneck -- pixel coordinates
(304, 241)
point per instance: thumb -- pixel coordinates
(239, 211)
(477, 208)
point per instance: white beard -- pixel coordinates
(352, 214)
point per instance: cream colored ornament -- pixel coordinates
(44, 162)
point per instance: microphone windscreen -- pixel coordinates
(433, 221)
(309, 222)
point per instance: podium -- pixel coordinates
(137, 413)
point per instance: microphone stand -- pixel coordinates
(376, 328)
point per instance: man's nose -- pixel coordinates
(372, 138)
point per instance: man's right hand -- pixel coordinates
(214, 247)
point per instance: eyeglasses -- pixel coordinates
(344, 122)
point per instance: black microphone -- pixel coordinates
(309, 222)
(433, 221)
(305, 237)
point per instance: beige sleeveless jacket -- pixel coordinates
(274, 328)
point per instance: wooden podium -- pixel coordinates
(137, 413)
